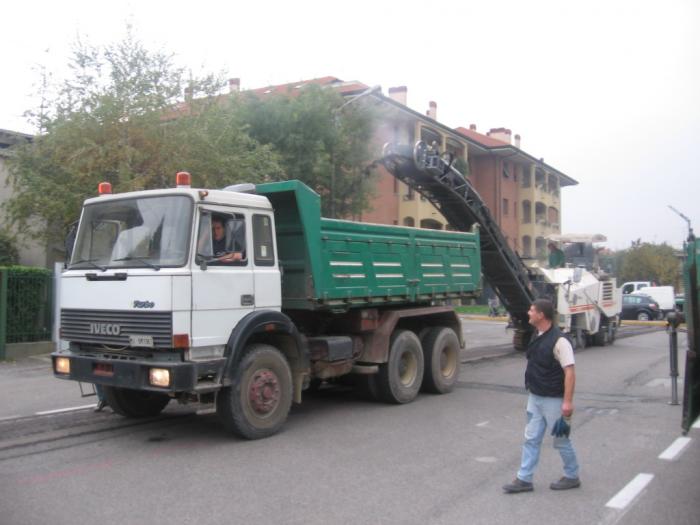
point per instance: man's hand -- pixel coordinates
(567, 408)
(230, 257)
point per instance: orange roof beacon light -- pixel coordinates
(104, 188)
(183, 179)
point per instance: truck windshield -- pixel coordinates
(146, 232)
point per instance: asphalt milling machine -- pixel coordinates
(587, 300)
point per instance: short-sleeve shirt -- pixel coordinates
(563, 352)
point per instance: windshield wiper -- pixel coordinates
(140, 259)
(91, 262)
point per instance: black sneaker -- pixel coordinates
(518, 485)
(566, 484)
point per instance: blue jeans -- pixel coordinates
(542, 413)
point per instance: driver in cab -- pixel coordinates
(221, 254)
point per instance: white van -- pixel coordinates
(634, 286)
(664, 295)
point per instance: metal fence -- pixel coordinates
(26, 306)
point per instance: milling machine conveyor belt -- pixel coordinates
(424, 170)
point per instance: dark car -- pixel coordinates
(640, 307)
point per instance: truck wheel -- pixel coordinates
(135, 403)
(441, 356)
(602, 336)
(399, 379)
(257, 403)
(521, 338)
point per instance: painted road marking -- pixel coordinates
(482, 424)
(630, 491)
(9, 418)
(205, 411)
(676, 448)
(60, 410)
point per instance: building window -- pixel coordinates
(409, 221)
(526, 179)
(527, 246)
(429, 136)
(505, 206)
(527, 212)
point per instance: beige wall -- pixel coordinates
(31, 252)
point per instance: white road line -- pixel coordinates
(676, 448)
(8, 418)
(630, 491)
(59, 410)
(482, 424)
(205, 411)
(696, 424)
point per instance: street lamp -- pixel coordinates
(686, 219)
(336, 122)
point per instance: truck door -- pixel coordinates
(223, 289)
(268, 289)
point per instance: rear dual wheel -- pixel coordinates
(441, 355)
(400, 378)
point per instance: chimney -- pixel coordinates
(398, 94)
(472, 127)
(234, 85)
(517, 141)
(501, 134)
(432, 110)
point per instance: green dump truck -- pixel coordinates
(245, 297)
(691, 311)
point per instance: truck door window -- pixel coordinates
(262, 238)
(221, 239)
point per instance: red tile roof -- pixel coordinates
(482, 139)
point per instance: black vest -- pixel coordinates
(544, 376)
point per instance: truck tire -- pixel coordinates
(602, 336)
(135, 403)
(521, 338)
(441, 360)
(399, 379)
(257, 403)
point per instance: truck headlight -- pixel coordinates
(62, 365)
(159, 377)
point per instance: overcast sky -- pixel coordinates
(608, 92)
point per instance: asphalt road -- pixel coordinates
(342, 459)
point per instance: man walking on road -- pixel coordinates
(550, 380)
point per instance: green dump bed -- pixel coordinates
(334, 264)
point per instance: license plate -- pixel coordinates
(141, 340)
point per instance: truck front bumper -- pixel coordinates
(135, 374)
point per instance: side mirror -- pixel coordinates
(69, 242)
(201, 261)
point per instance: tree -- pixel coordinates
(326, 147)
(649, 262)
(8, 250)
(120, 118)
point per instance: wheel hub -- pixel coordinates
(264, 391)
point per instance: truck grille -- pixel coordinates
(113, 327)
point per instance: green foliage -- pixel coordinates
(28, 303)
(649, 262)
(326, 147)
(119, 119)
(8, 250)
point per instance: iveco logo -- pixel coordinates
(105, 329)
(144, 304)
